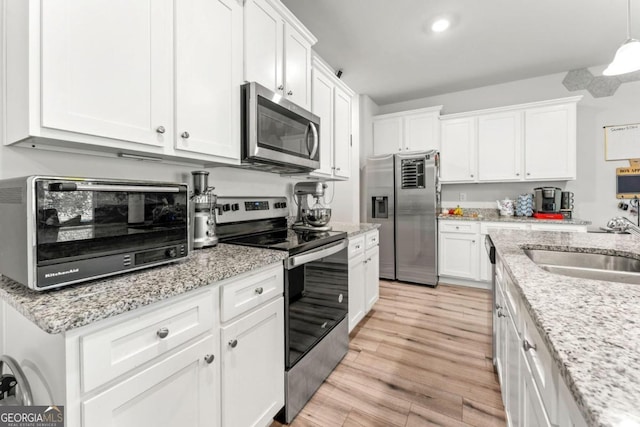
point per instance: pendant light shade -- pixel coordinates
(627, 58)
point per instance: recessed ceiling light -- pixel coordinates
(440, 25)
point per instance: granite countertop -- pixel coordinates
(591, 327)
(353, 229)
(56, 311)
(491, 215)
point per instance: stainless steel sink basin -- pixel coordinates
(612, 268)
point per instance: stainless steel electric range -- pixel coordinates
(315, 291)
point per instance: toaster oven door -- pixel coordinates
(79, 220)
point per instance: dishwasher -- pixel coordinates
(491, 253)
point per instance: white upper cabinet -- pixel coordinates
(414, 130)
(97, 80)
(208, 76)
(132, 77)
(277, 50)
(535, 141)
(331, 101)
(457, 151)
(499, 146)
(550, 142)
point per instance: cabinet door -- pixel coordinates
(499, 324)
(550, 142)
(512, 371)
(499, 146)
(263, 45)
(253, 367)
(357, 298)
(297, 68)
(458, 256)
(458, 148)
(208, 76)
(180, 390)
(421, 132)
(533, 411)
(322, 106)
(372, 276)
(107, 69)
(342, 133)
(387, 135)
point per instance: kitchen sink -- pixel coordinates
(612, 268)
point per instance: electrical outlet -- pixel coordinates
(463, 197)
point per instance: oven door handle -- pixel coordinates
(315, 255)
(72, 186)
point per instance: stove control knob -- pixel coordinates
(171, 253)
(235, 207)
(226, 207)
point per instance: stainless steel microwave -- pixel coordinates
(277, 135)
(57, 231)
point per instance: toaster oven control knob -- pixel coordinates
(235, 207)
(226, 207)
(171, 253)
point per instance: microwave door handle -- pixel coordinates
(72, 186)
(315, 255)
(316, 141)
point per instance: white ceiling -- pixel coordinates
(388, 52)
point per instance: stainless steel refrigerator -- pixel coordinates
(403, 195)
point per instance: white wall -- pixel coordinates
(595, 185)
(368, 109)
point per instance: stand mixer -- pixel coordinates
(203, 214)
(316, 217)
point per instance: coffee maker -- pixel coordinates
(548, 199)
(311, 218)
(203, 211)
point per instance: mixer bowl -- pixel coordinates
(317, 217)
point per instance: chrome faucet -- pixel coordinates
(621, 224)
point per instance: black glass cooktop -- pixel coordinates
(289, 240)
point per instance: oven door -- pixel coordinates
(89, 219)
(278, 131)
(316, 297)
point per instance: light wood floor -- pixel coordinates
(422, 357)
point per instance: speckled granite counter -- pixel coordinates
(592, 328)
(353, 229)
(74, 306)
(525, 219)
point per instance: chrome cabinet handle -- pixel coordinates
(290, 93)
(528, 174)
(527, 346)
(498, 307)
(185, 135)
(281, 87)
(471, 175)
(501, 314)
(233, 343)
(259, 291)
(338, 169)
(518, 174)
(162, 333)
(209, 358)
(161, 129)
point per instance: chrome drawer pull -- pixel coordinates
(209, 358)
(527, 346)
(259, 291)
(501, 314)
(162, 333)
(233, 343)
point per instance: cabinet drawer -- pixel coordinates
(486, 226)
(239, 296)
(371, 239)
(458, 227)
(356, 246)
(113, 351)
(541, 364)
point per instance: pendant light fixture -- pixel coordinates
(627, 58)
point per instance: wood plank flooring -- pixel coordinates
(422, 357)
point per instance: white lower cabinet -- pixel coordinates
(364, 275)
(168, 364)
(533, 392)
(179, 390)
(252, 351)
(462, 256)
